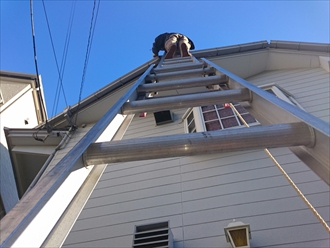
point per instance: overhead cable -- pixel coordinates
(58, 70)
(89, 45)
(43, 111)
(64, 56)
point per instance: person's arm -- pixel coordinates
(158, 44)
(154, 50)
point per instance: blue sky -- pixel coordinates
(125, 30)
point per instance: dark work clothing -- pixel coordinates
(160, 40)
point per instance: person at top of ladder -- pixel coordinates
(172, 43)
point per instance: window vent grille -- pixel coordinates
(153, 235)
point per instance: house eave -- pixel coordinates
(36, 85)
(60, 119)
(300, 46)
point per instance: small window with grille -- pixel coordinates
(217, 117)
(281, 93)
(191, 125)
(153, 235)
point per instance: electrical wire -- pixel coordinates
(34, 42)
(58, 70)
(89, 45)
(64, 56)
(36, 67)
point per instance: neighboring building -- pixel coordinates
(21, 106)
(154, 177)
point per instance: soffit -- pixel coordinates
(280, 59)
(245, 60)
(28, 154)
(26, 168)
(28, 137)
(95, 106)
(245, 64)
(10, 87)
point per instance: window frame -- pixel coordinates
(197, 115)
(200, 121)
(199, 118)
(281, 93)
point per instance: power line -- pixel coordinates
(58, 70)
(89, 45)
(64, 56)
(36, 63)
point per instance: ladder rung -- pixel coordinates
(177, 60)
(183, 101)
(183, 83)
(185, 66)
(192, 144)
(181, 74)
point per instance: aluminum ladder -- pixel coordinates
(284, 125)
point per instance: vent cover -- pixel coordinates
(153, 235)
(163, 117)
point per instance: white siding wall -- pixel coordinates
(13, 115)
(310, 87)
(200, 195)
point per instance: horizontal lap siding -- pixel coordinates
(200, 195)
(310, 87)
(146, 126)
(132, 193)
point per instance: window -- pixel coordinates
(153, 235)
(217, 117)
(191, 126)
(281, 93)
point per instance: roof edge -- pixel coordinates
(259, 45)
(300, 46)
(18, 75)
(219, 51)
(102, 92)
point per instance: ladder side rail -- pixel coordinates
(277, 111)
(160, 61)
(12, 222)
